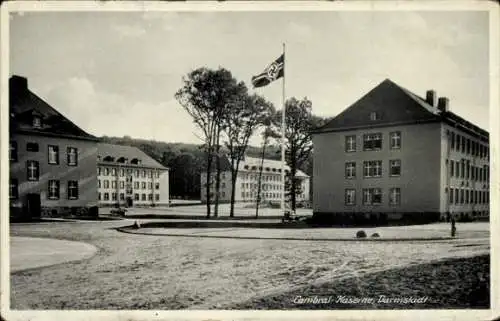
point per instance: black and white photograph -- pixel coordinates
(265, 156)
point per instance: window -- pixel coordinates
(106, 171)
(72, 190)
(395, 196)
(99, 171)
(37, 122)
(122, 184)
(113, 172)
(157, 185)
(452, 168)
(350, 197)
(99, 183)
(143, 185)
(13, 188)
(463, 144)
(33, 170)
(457, 200)
(150, 197)
(462, 196)
(122, 197)
(350, 143)
(158, 174)
(136, 197)
(372, 196)
(106, 183)
(53, 189)
(372, 141)
(462, 172)
(143, 173)
(143, 197)
(136, 185)
(136, 173)
(106, 196)
(350, 170)
(113, 196)
(157, 197)
(99, 196)
(372, 169)
(150, 185)
(113, 184)
(395, 167)
(32, 147)
(468, 146)
(395, 140)
(452, 140)
(451, 196)
(72, 156)
(122, 172)
(13, 151)
(374, 115)
(53, 154)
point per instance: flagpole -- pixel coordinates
(283, 124)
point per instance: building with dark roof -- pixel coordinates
(129, 177)
(52, 160)
(247, 181)
(394, 155)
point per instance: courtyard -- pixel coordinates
(244, 268)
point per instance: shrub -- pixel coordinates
(361, 234)
(375, 235)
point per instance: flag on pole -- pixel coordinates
(274, 71)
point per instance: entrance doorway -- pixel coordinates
(33, 205)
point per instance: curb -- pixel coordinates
(129, 230)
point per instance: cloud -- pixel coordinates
(105, 113)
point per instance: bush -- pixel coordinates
(375, 235)
(361, 234)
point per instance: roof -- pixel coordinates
(268, 163)
(394, 105)
(255, 163)
(128, 153)
(24, 105)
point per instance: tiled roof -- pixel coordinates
(24, 104)
(127, 152)
(271, 163)
(395, 105)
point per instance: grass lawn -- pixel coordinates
(157, 272)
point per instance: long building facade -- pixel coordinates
(129, 177)
(247, 182)
(52, 161)
(393, 155)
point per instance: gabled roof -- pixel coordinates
(127, 152)
(24, 105)
(394, 105)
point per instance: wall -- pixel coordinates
(84, 173)
(420, 170)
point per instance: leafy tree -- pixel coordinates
(206, 95)
(298, 140)
(247, 114)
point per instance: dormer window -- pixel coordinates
(37, 122)
(374, 115)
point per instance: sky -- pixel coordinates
(116, 73)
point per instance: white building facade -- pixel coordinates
(247, 182)
(127, 177)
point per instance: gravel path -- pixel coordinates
(156, 272)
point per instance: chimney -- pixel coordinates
(18, 86)
(443, 103)
(430, 97)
